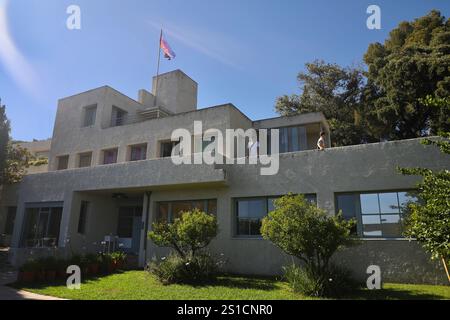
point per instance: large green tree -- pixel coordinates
(414, 62)
(384, 101)
(13, 159)
(336, 92)
(4, 140)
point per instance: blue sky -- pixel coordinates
(246, 52)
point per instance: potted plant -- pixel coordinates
(27, 273)
(41, 270)
(92, 263)
(61, 268)
(49, 265)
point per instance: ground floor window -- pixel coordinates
(41, 225)
(379, 214)
(168, 211)
(82, 219)
(251, 211)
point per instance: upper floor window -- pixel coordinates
(166, 148)
(251, 211)
(138, 152)
(110, 156)
(118, 117)
(89, 116)
(63, 162)
(85, 160)
(293, 139)
(379, 215)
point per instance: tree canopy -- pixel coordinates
(388, 98)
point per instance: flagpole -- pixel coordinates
(157, 69)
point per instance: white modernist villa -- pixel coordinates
(110, 176)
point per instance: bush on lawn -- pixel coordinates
(188, 236)
(303, 230)
(201, 268)
(336, 283)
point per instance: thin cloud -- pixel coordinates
(13, 60)
(212, 45)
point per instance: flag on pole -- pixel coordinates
(168, 52)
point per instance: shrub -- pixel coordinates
(303, 230)
(188, 236)
(335, 283)
(200, 268)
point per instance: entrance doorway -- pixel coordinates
(129, 228)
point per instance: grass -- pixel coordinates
(140, 285)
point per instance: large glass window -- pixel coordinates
(379, 214)
(293, 139)
(251, 211)
(169, 211)
(41, 226)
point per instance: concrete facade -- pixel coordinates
(150, 181)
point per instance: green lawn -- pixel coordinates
(139, 285)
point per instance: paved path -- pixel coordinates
(9, 275)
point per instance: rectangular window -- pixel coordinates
(63, 162)
(110, 156)
(85, 160)
(10, 219)
(118, 117)
(89, 115)
(379, 214)
(166, 148)
(169, 211)
(251, 211)
(82, 219)
(41, 226)
(292, 139)
(138, 152)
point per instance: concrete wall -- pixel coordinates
(357, 168)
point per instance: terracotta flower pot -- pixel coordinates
(40, 276)
(61, 275)
(93, 268)
(27, 276)
(111, 267)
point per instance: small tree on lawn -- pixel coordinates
(307, 232)
(186, 235)
(429, 220)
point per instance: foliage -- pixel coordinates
(4, 140)
(337, 282)
(429, 220)
(384, 101)
(414, 62)
(186, 235)
(337, 93)
(303, 230)
(196, 269)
